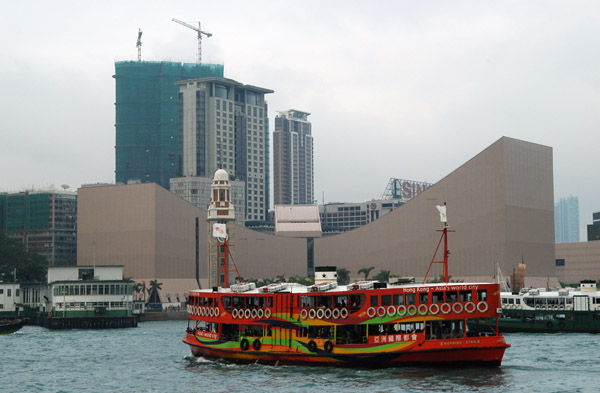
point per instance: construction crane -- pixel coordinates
(139, 44)
(200, 32)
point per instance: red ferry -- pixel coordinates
(366, 323)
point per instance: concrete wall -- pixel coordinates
(582, 261)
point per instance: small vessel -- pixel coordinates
(366, 323)
(10, 326)
(540, 311)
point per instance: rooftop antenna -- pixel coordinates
(200, 32)
(139, 44)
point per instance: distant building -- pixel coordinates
(10, 298)
(147, 147)
(293, 159)
(223, 124)
(566, 220)
(44, 221)
(593, 230)
(404, 190)
(196, 190)
(342, 217)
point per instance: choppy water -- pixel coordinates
(152, 358)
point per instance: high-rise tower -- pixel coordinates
(293, 159)
(147, 138)
(224, 125)
(566, 220)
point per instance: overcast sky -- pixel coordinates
(405, 89)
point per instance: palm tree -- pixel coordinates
(280, 278)
(144, 289)
(382, 276)
(153, 291)
(139, 287)
(343, 276)
(366, 271)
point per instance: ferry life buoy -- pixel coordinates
(434, 309)
(244, 344)
(568, 307)
(211, 311)
(320, 313)
(254, 314)
(256, 344)
(217, 312)
(391, 311)
(518, 306)
(260, 313)
(482, 306)
(561, 307)
(267, 313)
(537, 307)
(201, 311)
(344, 313)
(371, 312)
(303, 314)
(562, 325)
(445, 308)
(312, 346)
(381, 311)
(328, 313)
(247, 313)
(234, 313)
(412, 310)
(312, 314)
(457, 308)
(549, 325)
(328, 346)
(423, 309)
(470, 307)
(335, 313)
(192, 310)
(401, 310)
(556, 306)
(205, 312)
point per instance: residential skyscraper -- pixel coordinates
(147, 132)
(566, 220)
(293, 159)
(593, 230)
(223, 124)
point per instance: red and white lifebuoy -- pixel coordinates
(470, 307)
(482, 306)
(234, 313)
(254, 313)
(260, 313)
(217, 312)
(312, 314)
(434, 309)
(381, 311)
(446, 308)
(344, 313)
(320, 313)
(328, 313)
(423, 309)
(303, 314)
(335, 313)
(391, 311)
(457, 308)
(267, 313)
(412, 310)
(401, 310)
(371, 312)
(247, 313)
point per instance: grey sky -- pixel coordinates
(396, 89)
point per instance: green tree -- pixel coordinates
(29, 267)
(366, 271)
(382, 276)
(343, 276)
(280, 278)
(153, 296)
(138, 287)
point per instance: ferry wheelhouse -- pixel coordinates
(366, 323)
(563, 310)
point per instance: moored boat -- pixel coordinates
(540, 311)
(366, 323)
(10, 326)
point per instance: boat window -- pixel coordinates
(423, 298)
(451, 297)
(324, 301)
(511, 301)
(482, 295)
(341, 300)
(374, 301)
(356, 302)
(238, 302)
(410, 298)
(324, 332)
(398, 299)
(307, 301)
(518, 301)
(504, 300)
(252, 330)
(226, 302)
(386, 300)
(230, 332)
(437, 297)
(351, 334)
(210, 302)
(302, 331)
(466, 296)
(216, 302)
(529, 302)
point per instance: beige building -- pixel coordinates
(500, 203)
(578, 261)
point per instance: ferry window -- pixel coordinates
(423, 298)
(355, 301)
(216, 302)
(451, 296)
(374, 301)
(482, 295)
(302, 331)
(308, 301)
(100, 289)
(270, 301)
(341, 301)
(437, 297)
(398, 299)
(410, 298)
(324, 301)
(511, 301)
(238, 302)
(466, 296)
(518, 301)
(529, 302)
(386, 300)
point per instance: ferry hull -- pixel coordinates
(480, 351)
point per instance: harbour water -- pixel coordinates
(152, 358)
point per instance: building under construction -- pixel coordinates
(147, 147)
(44, 221)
